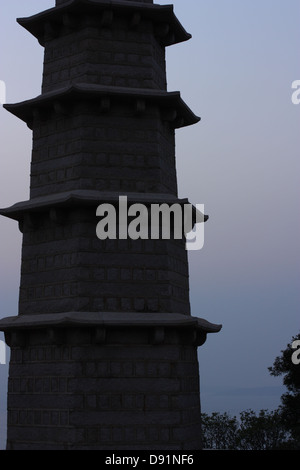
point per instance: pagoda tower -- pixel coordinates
(104, 347)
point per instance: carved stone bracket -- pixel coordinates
(107, 18)
(50, 31)
(56, 335)
(158, 335)
(60, 108)
(57, 216)
(105, 104)
(135, 20)
(140, 107)
(100, 335)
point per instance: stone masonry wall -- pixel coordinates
(83, 396)
(65, 267)
(116, 56)
(114, 151)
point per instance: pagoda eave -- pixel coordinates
(190, 330)
(108, 318)
(173, 108)
(47, 24)
(89, 198)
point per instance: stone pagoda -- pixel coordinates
(104, 347)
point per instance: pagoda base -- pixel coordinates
(104, 381)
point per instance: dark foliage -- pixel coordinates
(267, 430)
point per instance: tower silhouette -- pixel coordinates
(104, 347)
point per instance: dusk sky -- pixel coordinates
(241, 161)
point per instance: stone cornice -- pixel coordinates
(56, 204)
(48, 24)
(173, 108)
(190, 330)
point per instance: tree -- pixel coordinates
(219, 431)
(290, 408)
(269, 430)
(264, 431)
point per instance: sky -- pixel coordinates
(241, 161)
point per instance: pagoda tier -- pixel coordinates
(104, 348)
(70, 14)
(119, 43)
(105, 138)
